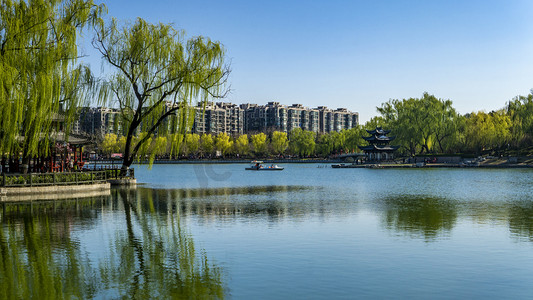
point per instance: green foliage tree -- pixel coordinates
(121, 143)
(159, 147)
(376, 121)
(110, 144)
(223, 143)
(175, 141)
(325, 145)
(39, 74)
(279, 142)
(157, 75)
(486, 131)
(520, 111)
(352, 138)
(241, 145)
(259, 143)
(207, 144)
(192, 143)
(302, 142)
(420, 123)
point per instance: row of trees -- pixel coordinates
(298, 142)
(429, 125)
(425, 125)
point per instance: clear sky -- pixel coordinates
(359, 54)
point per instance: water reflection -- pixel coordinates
(39, 258)
(521, 220)
(143, 250)
(155, 257)
(431, 217)
(149, 254)
(273, 203)
(425, 217)
(417, 216)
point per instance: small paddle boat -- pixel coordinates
(258, 166)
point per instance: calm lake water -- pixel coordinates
(308, 232)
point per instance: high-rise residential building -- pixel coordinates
(229, 118)
(219, 117)
(295, 117)
(99, 121)
(340, 120)
(255, 118)
(314, 118)
(276, 116)
(325, 122)
(234, 121)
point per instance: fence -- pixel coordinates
(63, 178)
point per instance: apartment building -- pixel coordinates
(233, 119)
(98, 121)
(220, 117)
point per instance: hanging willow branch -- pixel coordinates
(158, 77)
(40, 80)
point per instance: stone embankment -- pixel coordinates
(51, 186)
(53, 192)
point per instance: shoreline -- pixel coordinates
(431, 166)
(215, 161)
(489, 163)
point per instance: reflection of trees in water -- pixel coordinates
(38, 257)
(420, 216)
(271, 202)
(155, 257)
(151, 255)
(429, 216)
(521, 220)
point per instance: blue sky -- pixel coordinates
(359, 54)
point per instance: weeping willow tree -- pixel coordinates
(39, 75)
(158, 75)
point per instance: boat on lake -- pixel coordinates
(258, 166)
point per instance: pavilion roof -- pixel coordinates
(60, 137)
(73, 139)
(377, 148)
(379, 138)
(378, 131)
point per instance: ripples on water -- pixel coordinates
(217, 230)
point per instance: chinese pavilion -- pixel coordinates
(379, 148)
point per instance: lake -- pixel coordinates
(308, 232)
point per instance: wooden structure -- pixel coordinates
(67, 156)
(62, 156)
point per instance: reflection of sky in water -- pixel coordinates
(418, 233)
(309, 232)
(453, 184)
